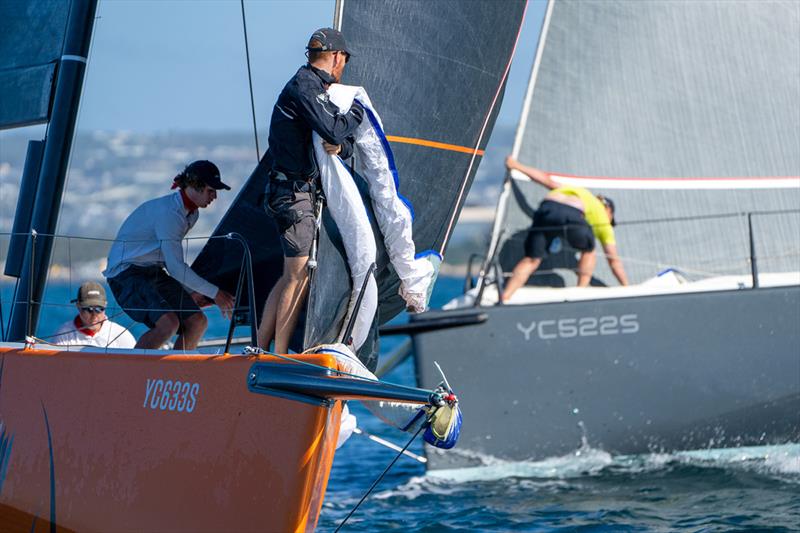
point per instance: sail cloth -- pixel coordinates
(373, 159)
(345, 205)
(436, 72)
(27, 65)
(639, 100)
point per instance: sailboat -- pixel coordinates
(686, 114)
(95, 439)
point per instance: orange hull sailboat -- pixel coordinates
(127, 440)
(170, 442)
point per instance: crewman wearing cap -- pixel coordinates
(91, 326)
(302, 107)
(146, 269)
(573, 213)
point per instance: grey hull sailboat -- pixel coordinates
(686, 114)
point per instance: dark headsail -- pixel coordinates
(435, 71)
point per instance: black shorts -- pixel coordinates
(554, 219)
(146, 293)
(291, 204)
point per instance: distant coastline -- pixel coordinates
(111, 173)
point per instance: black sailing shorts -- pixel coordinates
(554, 219)
(146, 293)
(291, 204)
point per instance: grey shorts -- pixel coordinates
(146, 293)
(291, 204)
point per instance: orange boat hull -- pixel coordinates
(123, 442)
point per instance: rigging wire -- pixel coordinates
(250, 81)
(385, 471)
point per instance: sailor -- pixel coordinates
(573, 213)
(91, 326)
(147, 272)
(303, 107)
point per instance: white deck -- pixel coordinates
(669, 282)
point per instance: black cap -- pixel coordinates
(608, 202)
(207, 172)
(331, 40)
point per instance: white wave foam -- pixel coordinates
(782, 460)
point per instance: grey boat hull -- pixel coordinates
(626, 375)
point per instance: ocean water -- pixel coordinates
(743, 489)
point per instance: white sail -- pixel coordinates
(676, 110)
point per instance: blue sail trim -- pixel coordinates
(426, 253)
(387, 149)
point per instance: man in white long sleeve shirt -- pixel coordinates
(91, 326)
(146, 269)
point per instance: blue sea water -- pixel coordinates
(743, 489)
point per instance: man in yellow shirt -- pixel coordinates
(575, 214)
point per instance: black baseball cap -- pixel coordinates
(331, 41)
(207, 172)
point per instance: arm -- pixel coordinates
(169, 232)
(615, 263)
(533, 173)
(344, 150)
(324, 117)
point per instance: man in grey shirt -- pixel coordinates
(146, 269)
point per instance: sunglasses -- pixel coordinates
(96, 309)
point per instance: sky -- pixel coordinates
(165, 65)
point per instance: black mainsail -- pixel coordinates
(44, 46)
(436, 73)
(28, 65)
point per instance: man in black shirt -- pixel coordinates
(303, 107)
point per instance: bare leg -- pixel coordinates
(290, 301)
(166, 327)
(193, 329)
(585, 267)
(266, 329)
(520, 275)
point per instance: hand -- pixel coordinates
(511, 163)
(333, 149)
(201, 300)
(225, 302)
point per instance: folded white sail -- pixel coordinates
(374, 163)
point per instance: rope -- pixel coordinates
(250, 80)
(385, 471)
